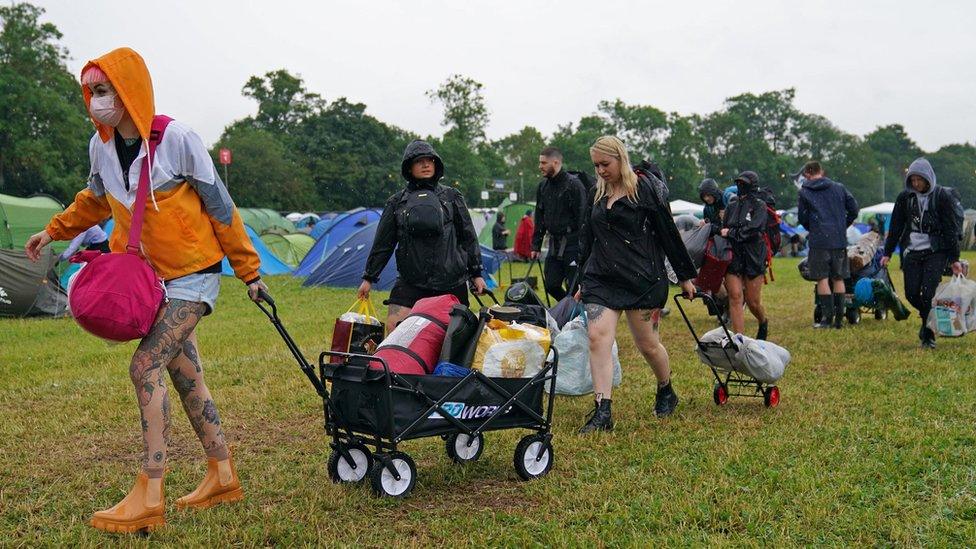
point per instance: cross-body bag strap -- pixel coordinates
(159, 124)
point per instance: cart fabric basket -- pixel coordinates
(763, 360)
(361, 403)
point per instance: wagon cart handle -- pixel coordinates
(487, 292)
(542, 277)
(708, 300)
(292, 346)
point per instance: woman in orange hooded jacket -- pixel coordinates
(190, 224)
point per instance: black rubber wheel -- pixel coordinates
(720, 394)
(462, 448)
(880, 314)
(385, 484)
(342, 471)
(771, 396)
(528, 463)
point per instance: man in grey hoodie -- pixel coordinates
(924, 224)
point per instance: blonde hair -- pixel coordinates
(615, 148)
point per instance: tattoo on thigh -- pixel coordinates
(164, 342)
(394, 310)
(182, 383)
(594, 311)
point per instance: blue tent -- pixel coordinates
(329, 233)
(344, 264)
(356, 217)
(270, 264)
(343, 267)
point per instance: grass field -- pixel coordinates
(873, 444)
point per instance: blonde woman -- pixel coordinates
(627, 233)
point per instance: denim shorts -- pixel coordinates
(196, 288)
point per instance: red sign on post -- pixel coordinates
(225, 156)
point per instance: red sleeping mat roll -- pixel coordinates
(415, 345)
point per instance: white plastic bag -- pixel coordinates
(718, 350)
(359, 318)
(763, 360)
(954, 308)
(574, 376)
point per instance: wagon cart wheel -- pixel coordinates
(462, 447)
(386, 483)
(353, 469)
(853, 316)
(880, 314)
(533, 457)
(771, 397)
(720, 394)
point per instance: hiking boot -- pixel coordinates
(600, 419)
(763, 332)
(666, 401)
(141, 510)
(219, 485)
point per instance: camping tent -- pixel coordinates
(344, 265)
(263, 219)
(345, 221)
(270, 264)
(22, 217)
(513, 214)
(330, 233)
(683, 207)
(289, 248)
(28, 288)
(303, 220)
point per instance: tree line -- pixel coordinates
(301, 151)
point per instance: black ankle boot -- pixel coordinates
(840, 309)
(826, 304)
(928, 338)
(600, 419)
(763, 332)
(666, 400)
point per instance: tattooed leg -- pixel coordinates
(165, 340)
(594, 311)
(645, 327)
(187, 375)
(602, 329)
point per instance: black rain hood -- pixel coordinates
(922, 168)
(419, 149)
(747, 183)
(710, 187)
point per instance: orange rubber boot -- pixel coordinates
(141, 509)
(219, 485)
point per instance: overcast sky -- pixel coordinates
(545, 63)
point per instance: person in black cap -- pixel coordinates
(499, 234)
(714, 210)
(429, 226)
(559, 205)
(745, 226)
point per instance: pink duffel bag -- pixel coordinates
(415, 345)
(118, 295)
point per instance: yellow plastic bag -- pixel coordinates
(511, 350)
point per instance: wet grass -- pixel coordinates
(873, 444)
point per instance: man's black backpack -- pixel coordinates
(957, 210)
(586, 179)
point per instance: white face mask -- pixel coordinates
(107, 109)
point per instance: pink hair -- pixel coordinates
(93, 75)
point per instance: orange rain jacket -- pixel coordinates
(191, 223)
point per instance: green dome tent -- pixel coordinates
(263, 220)
(513, 214)
(22, 217)
(290, 248)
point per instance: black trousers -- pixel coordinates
(923, 272)
(558, 274)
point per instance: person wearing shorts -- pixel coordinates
(744, 225)
(826, 209)
(190, 225)
(429, 228)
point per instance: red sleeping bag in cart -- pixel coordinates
(414, 346)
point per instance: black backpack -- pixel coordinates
(957, 210)
(423, 215)
(587, 180)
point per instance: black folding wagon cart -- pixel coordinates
(369, 411)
